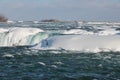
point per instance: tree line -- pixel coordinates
(3, 18)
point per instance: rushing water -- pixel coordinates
(19, 61)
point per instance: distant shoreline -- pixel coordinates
(81, 22)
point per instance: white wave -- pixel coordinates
(98, 23)
(41, 63)
(10, 22)
(8, 56)
(36, 22)
(2, 30)
(21, 21)
(77, 31)
(84, 32)
(84, 43)
(106, 28)
(108, 32)
(21, 36)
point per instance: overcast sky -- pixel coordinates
(88, 10)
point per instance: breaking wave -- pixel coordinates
(21, 36)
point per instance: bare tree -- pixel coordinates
(3, 18)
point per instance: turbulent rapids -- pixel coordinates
(21, 36)
(83, 38)
(33, 50)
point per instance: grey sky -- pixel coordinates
(88, 10)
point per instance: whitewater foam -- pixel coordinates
(84, 37)
(2, 30)
(108, 32)
(20, 36)
(77, 31)
(83, 43)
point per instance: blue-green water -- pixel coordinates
(21, 62)
(26, 64)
